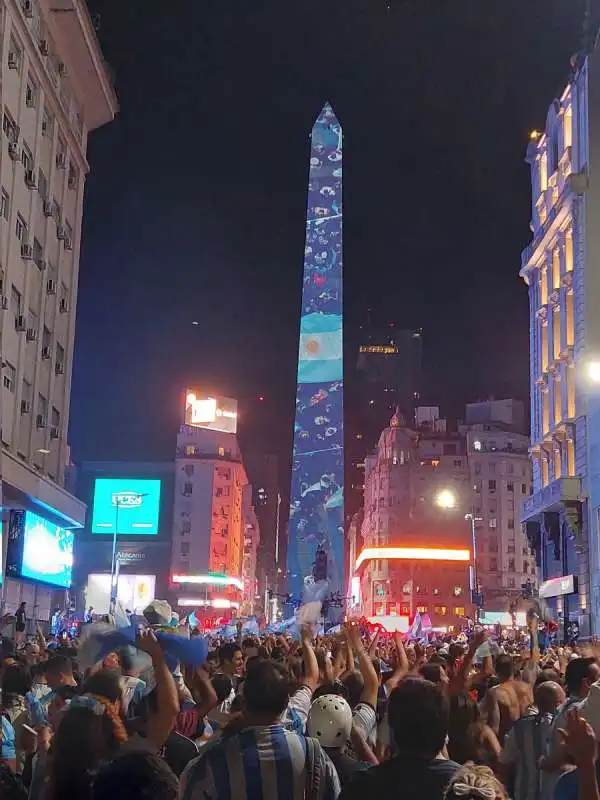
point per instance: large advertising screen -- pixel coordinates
(47, 552)
(135, 592)
(129, 506)
(210, 411)
(315, 561)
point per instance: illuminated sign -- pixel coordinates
(212, 413)
(386, 349)
(128, 505)
(215, 580)
(556, 587)
(218, 602)
(412, 554)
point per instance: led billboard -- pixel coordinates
(315, 552)
(45, 553)
(129, 506)
(210, 411)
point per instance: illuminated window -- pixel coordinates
(544, 346)
(457, 591)
(543, 172)
(435, 592)
(441, 610)
(476, 445)
(570, 376)
(492, 523)
(568, 127)
(545, 413)
(406, 589)
(556, 332)
(459, 611)
(571, 458)
(569, 251)
(570, 320)
(422, 609)
(556, 268)
(359, 436)
(557, 401)
(221, 451)
(405, 611)
(557, 461)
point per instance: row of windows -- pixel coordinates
(9, 382)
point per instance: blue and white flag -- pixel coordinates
(416, 629)
(320, 355)
(250, 627)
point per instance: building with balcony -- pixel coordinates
(56, 90)
(559, 267)
(500, 469)
(209, 521)
(415, 550)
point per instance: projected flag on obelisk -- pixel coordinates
(315, 549)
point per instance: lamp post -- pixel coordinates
(114, 577)
(447, 499)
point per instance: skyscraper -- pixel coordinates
(315, 553)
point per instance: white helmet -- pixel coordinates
(330, 720)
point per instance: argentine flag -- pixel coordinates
(320, 354)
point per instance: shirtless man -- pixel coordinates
(507, 702)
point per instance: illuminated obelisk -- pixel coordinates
(315, 551)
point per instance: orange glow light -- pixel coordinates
(412, 554)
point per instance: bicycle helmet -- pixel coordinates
(330, 720)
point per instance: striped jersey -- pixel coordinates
(525, 744)
(262, 762)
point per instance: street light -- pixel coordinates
(593, 371)
(113, 565)
(446, 498)
(474, 582)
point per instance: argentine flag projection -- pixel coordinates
(315, 550)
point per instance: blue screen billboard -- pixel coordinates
(315, 565)
(129, 506)
(47, 552)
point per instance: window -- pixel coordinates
(511, 583)
(511, 524)
(492, 485)
(37, 252)
(422, 609)
(9, 127)
(435, 592)
(221, 451)
(459, 611)
(457, 462)
(61, 153)
(32, 322)
(511, 565)
(42, 406)
(4, 204)
(15, 302)
(73, 176)
(493, 548)
(510, 468)
(15, 55)
(492, 523)
(523, 488)
(186, 527)
(21, 229)
(46, 338)
(441, 610)
(9, 377)
(478, 468)
(510, 548)
(449, 449)
(407, 588)
(492, 468)
(493, 565)
(510, 487)
(189, 470)
(55, 418)
(185, 548)
(68, 230)
(188, 488)
(190, 450)
(42, 184)
(56, 211)
(26, 157)
(31, 92)
(27, 392)
(47, 123)
(477, 487)
(60, 359)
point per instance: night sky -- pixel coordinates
(195, 203)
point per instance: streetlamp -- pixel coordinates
(474, 582)
(114, 578)
(446, 498)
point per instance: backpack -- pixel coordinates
(312, 788)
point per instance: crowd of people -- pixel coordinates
(355, 715)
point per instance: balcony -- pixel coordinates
(551, 497)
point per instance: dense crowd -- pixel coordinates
(354, 715)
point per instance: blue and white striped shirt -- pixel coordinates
(525, 744)
(263, 762)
